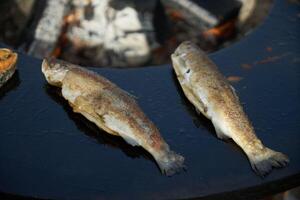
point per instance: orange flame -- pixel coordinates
(221, 31)
(176, 15)
(69, 19)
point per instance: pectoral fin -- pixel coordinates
(219, 132)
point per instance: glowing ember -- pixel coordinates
(234, 79)
(222, 31)
(96, 33)
(246, 66)
(269, 49)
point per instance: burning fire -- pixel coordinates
(71, 18)
(208, 40)
(175, 14)
(221, 31)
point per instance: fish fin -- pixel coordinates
(199, 105)
(122, 129)
(198, 111)
(171, 163)
(220, 133)
(129, 140)
(263, 163)
(201, 109)
(102, 125)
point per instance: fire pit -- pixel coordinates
(47, 151)
(125, 33)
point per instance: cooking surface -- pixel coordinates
(48, 151)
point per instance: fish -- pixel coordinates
(211, 94)
(8, 60)
(111, 109)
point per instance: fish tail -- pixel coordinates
(262, 163)
(171, 163)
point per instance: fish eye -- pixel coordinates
(188, 71)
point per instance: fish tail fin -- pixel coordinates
(263, 163)
(171, 163)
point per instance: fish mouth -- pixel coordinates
(179, 65)
(179, 58)
(54, 73)
(49, 63)
(176, 64)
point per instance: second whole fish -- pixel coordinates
(208, 90)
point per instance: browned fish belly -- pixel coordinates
(111, 109)
(8, 60)
(211, 94)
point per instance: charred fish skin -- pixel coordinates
(111, 109)
(8, 60)
(208, 90)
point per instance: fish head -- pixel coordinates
(183, 63)
(55, 70)
(8, 59)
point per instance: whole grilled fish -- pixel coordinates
(211, 94)
(111, 109)
(8, 60)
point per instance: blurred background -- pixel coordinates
(125, 33)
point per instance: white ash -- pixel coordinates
(48, 28)
(110, 36)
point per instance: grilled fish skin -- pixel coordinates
(208, 90)
(8, 60)
(111, 109)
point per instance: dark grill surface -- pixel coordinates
(47, 151)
